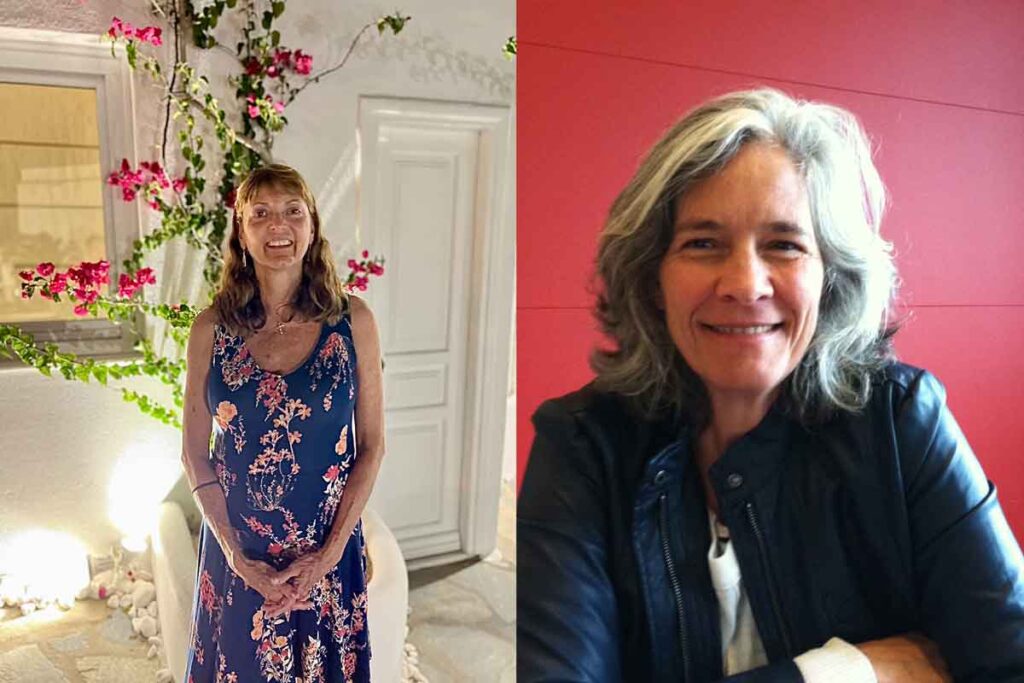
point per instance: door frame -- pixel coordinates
(492, 286)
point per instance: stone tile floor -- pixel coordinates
(89, 643)
(462, 621)
(462, 617)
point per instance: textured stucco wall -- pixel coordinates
(62, 440)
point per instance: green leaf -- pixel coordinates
(396, 22)
(277, 7)
(268, 19)
(275, 37)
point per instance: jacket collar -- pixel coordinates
(744, 467)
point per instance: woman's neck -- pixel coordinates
(277, 292)
(732, 416)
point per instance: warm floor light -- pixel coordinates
(140, 481)
(42, 566)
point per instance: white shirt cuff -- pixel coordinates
(836, 661)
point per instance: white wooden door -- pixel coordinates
(427, 203)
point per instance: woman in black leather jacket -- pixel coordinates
(752, 487)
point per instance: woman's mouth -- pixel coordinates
(745, 330)
(279, 244)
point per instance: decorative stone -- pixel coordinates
(114, 602)
(145, 626)
(143, 593)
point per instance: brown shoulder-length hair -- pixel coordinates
(321, 295)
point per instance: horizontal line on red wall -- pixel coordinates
(553, 308)
(779, 79)
(903, 306)
(964, 306)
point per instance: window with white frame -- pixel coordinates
(67, 121)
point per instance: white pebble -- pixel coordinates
(113, 602)
(147, 626)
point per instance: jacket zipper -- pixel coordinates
(677, 591)
(770, 580)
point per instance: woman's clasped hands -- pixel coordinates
(285, 590)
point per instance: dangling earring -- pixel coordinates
(245, 262)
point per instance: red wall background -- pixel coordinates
(939, 86)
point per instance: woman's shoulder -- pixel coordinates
(201, 336)
(901, 383)
(587, 401)
(360, 316)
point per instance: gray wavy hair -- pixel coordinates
(847, 200)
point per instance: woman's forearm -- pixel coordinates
(214, 507)
(353, 500)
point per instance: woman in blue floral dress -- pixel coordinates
(283, 437)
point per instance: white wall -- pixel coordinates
(62, 440)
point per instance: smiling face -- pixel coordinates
(742, 278)
(277, 228)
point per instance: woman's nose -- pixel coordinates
(745, 278)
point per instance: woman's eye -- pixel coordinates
(699, 244)
(787, 246)
(296, 211)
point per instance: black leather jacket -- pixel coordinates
(871, 525)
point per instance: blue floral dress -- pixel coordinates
(283, 447)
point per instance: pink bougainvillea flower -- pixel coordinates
(254, 111)
(81, 309)
(145, 276)
(303, 63)
(376, 269)
(279, 107)
(59, 282)
(156, 173)
(27, 275)
(282, 57)
(179, 184)
(150, 34)
(119, 28)
(253, 67)
(45, 269)
(25, 294)
(366, 254)
(126, 286)
(273, 71)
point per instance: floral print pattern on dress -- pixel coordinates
(334, 357)
(283, 448)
